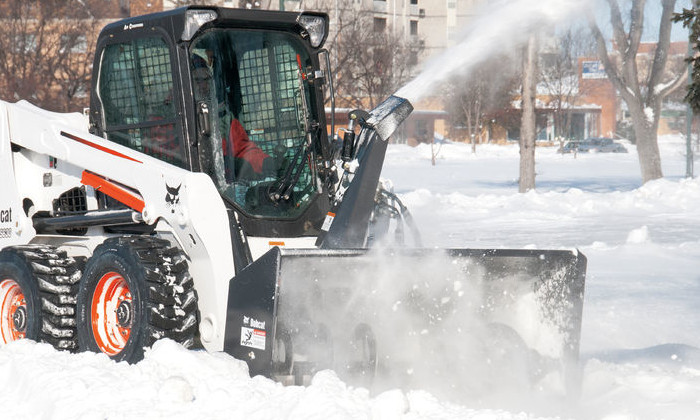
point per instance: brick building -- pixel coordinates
(596, 89)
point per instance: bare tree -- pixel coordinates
(74, 76)
(559, 77)
(528, 123)
(472, 106)
(44, 59)
(472, 99)
(643, 92)
(370, 63)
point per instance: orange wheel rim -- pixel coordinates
(112, 313)
(13, 311)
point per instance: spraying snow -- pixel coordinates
(499, 28)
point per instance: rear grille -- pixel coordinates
(73, 201)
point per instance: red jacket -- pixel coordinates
(243, 147)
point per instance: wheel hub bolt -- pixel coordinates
(124, 314)
(19, 319)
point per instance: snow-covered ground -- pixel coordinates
(640, 337)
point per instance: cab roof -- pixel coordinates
(174, 21)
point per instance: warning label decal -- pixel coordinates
(251, 337)
(328, 221)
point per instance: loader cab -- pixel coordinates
(236, 94)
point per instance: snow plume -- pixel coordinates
(500, 26)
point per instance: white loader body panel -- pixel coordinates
(15, 226)
(260, 245)
(58, 148)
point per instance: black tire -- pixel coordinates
(48, 280)
(150, 281)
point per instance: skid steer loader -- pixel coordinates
(204, 201)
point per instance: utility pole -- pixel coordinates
(689, 126)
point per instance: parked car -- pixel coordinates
(569, 147)
(594, 144)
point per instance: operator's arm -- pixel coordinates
(246, 150)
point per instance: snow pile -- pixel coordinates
(174, 383)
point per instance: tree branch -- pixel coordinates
(610, 68)
(661, 54)
(618, 27)
(672, 86)
(636, 28)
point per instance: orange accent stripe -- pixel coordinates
(114, 190)
(276, 243)
(98, 147)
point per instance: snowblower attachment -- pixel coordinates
(351, 222)
(450, 321)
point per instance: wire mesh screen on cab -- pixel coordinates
(136, 92)
(270, 95)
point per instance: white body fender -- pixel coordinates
(55, 151)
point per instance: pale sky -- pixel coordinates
(651, 18)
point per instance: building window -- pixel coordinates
(75, 43)
(24, 43)
(379, 24)
(414, 27)
(414, 2)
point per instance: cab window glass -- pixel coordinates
(261, 115)
(136, 91)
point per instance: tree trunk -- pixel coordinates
(528, 121)
(643, 95)
(647, 144)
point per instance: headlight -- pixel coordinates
(194, 19)
(316, 26)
